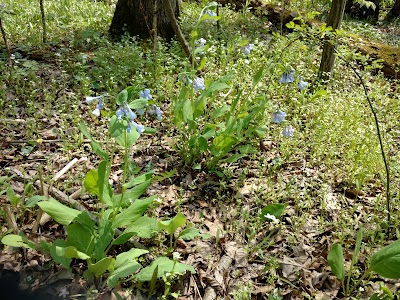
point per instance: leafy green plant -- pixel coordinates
(90, 237)
(385, 262)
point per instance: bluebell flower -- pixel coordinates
(247, 49)
(132, 116)
(302, 84)
(198, 84)
(210, 13)
(288, 131)
(121, 112)
(201, 42)
(155, 110)
(145, 94)
(287, 77)
(139, 127)
(278, 116)
(91, 99)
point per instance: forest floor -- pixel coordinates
(329, 175)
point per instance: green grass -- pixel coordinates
(334, 145)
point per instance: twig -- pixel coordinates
(178, 31)
(65, 169)
(378, 131)
(3, 32)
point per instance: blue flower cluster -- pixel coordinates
(125, 112)
(288, 77)
(247, 49)
(99, 105)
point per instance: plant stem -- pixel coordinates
(3, 33)
(366, 273)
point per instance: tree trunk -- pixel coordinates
(136, 18)
(394, 13)
(328, 56)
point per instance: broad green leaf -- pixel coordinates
(220, 112)
(128, 256)
(358, 245)
(32, 201)
(163, 176)
(386, 262)
(134, 193)
(164, 265)
(70, 252)
(133, 212)
(336, 261)
(102, 266)
(105, 236)
(116, 127)
(131, 138)
(203, 59)
(59, 212)
(275, 209)
(173, 224)
(122, 97)
(144, 227)
(14, 240)
(12, 197)
(190, 233)
(64, 261)
(203, 144)
(105, 190)
(138, 103)
(258, 76)
(318, 94)
(81, 238)
(187, 110)
(126, 270)
(139, 179)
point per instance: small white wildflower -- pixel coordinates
(272, 218)
(176, 256)
(63, 292)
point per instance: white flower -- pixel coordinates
(63, 292)
(272, 218)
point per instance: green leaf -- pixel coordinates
(122, 97)
(133, 212)
(275, 209)
(14, 240)
(358, 245)
(81, 238)
(203, 59)
(173, 224)
(32, 201)
(70, 252)
(14, 199)
(116, 127)
(139, 179)
(95, 146)
(105, 236)
(131, 138)
(144, 227)
(59, 212)
(190, 233)
(65, 262)
(187, 110)
(220, 111)
(134, 193)
(386, 262)
(128, 256)
(102, 266)
(138, 103)
(164, 265)
(258, 76)
(336, 261)
(126, 270)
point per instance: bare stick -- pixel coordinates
(178, 31)
(3, 33)
(65, 169)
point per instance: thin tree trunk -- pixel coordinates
(43, 20)
(177, 29)
(328, 57)
(3, 33)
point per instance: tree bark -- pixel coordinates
(136, 17)
(394, 13)
(328, 56)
